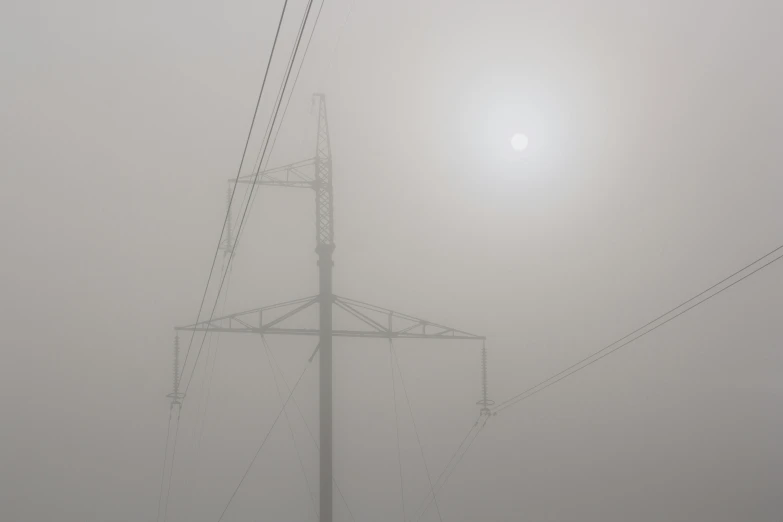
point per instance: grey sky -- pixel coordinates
(653, 171)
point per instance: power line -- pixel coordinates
(239, 170)
(238, 236)
(165, 459)
(340, 35)
(296, 80)
(312, 437)
(278, 99)
(582, 364)
(255, 179)
(415, 429)
(343, 497)
(448, 464)
(228, 216)
(462, 456)
(171, 473)
(211, 369)
(288, 103)
(282, 377)
(263, 442)
(397, 427)
(290, 427)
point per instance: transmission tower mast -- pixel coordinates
(176, 396)
(376, 322)
(324, 228)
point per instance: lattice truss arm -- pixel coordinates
(300, 174)
(352, 319)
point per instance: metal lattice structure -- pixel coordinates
(376, 322)
(176, 396)
(324, 198)
(296, 317)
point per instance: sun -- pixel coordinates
(519, 142)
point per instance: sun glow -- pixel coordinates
(519, 142)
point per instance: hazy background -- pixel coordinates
(653, 171)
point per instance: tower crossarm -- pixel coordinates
(300, 174)
(325, 315)
(367, 321)
(387, 323)
(257, 320)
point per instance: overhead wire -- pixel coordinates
(576, 367)
(340, 492)
(175, 401)
(296, 403)
(238, 237)
(397, 429)
(255, 180)
(453, 468)
(290, 96)
(165, 460)
(208, 383)
(228, 211)
(263, 442)
(641, 331)
(293, 87)
(252, 202)
(250, 193)
(290, 428)
(415, 429)
(424, 505)
(312, 436)
(339, 38)
(239, 171)
(171, 473)
(280, 93)
(509, 402)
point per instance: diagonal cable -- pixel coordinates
(456, 463)
(255, 180)
(239, 170)
(208, 383)
(173, 456)
(225, 222)
(165, 459)
(263, 442)
(641, 331)
(291, 95)
(312, 437)
(290, 428)
(397, 427)
(415, 429)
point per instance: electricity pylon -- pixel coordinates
(372, 321)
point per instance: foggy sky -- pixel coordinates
(653, 172)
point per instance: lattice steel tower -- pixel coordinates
(377, 322)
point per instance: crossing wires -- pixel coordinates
(247, 205)
(244, 212)
(700, 298)
(233, 192)
(721, 286)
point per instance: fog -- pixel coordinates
(652, 172)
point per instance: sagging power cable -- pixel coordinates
(647, 328)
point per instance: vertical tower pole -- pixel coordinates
(325, 247)
(176, 396)
(485, 401)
